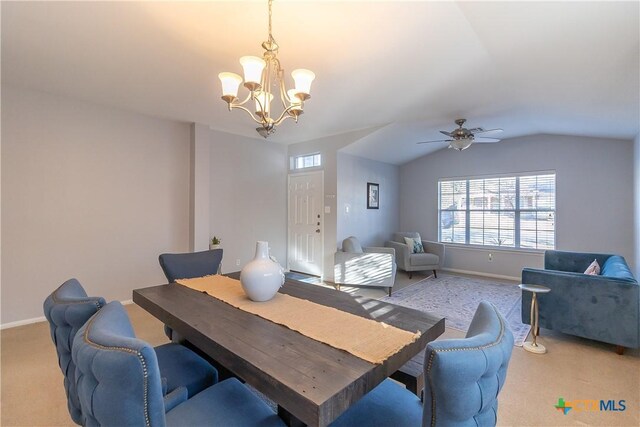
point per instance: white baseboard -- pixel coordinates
(22, 322)
(478, 273)
(41, 319)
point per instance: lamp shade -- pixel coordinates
(291, 93)
(302, 79)
(461, 144)
(230, 84)
(265, 102)
(252, 66)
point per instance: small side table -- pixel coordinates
(533, 346)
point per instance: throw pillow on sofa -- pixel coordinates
(593, 269)
(415, 245)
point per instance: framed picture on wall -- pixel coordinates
(373, 195)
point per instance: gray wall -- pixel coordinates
(636, 172)
(248, 196)
(594, 198)
(88, 192)
(371, 226)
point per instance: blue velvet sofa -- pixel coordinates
(602, 308)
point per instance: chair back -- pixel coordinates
(464, 376)
(118, 379)
(352, 245)
(190, 265)
(399, 237)
(67, 309)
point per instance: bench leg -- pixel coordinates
(389, 288)
(620, 350)
(410, 274)
(435, 274)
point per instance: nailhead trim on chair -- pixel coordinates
(431, 356)
(54, 296)
(128, 350)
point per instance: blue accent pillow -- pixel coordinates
(415, 245)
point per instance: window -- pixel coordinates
(509, 211)
(306, 161)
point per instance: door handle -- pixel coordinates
(317, 230)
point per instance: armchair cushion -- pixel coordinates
(617, 267)
(418, 260)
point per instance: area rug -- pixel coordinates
(456, 299)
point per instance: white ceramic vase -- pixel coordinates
(212, 246)
(261, 277)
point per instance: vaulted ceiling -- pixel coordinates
(403, 69)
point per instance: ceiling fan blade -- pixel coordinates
(446, 133)
(485, 140)
(439, 140)
(486, 130)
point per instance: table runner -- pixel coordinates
(364, 338)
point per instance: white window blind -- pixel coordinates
(507, 211)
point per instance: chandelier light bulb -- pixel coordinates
(252, 66)
(303, 79)
(263, 103)
(230, 83)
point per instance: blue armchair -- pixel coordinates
(119, 383)
(604, 308)
(463, 380)
(68, 308)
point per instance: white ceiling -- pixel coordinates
(406, 68)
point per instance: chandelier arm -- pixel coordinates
(285, 115)
(260, 122)
(249, 96)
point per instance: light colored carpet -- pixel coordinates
(456, 298)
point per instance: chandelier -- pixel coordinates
(261, 77)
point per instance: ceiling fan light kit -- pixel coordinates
(261, 76)
(462, 138)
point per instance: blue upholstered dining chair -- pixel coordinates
(68, 308)
(187, 266)
(119, 383)
(462, 380)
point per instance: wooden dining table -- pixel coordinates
(312, 382)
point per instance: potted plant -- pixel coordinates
(216, 243)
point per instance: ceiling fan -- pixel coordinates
(462, 138)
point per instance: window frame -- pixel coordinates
(293, 161)
(517, 211)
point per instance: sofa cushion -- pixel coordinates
(616, 266)
(593, 269)
(351, 245)
(423, 259)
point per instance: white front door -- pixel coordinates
(306, 223)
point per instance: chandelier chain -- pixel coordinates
(270, 36)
